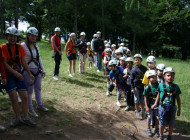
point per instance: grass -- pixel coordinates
(86, 90)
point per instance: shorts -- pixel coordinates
(169, 117)
(138, 96)
(15, 84)
(90, 59)
(72, 56)
(152, 113)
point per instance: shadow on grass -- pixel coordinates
(95, 80)
(182, 127)
(96, 76)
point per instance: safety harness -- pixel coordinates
(35, 61)
(14, 63)
(70, 51)
(152, 96)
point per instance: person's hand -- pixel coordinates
(178, 112)
(19, 76)
(153, 106)
(4, 81)
(148, 109)
(31, 76)
(43, 74)
(132, 91)
(95, 53)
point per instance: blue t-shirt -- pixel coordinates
(117, 74)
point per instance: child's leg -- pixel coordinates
(119, 92)
(14, 100)
(70, 65)
(107, 76)
(24, 97)
(37, 90)
(161, 128)
(74, 66)
(136, 99)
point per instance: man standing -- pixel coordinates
(81, 44)
(57, 51)
(92, 48)
(99, 48)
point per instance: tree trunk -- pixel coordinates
(75, 21)
(103, 25)
(134, 40)
(49, 19)
(56, 18)
(16, 14)
(2, 19)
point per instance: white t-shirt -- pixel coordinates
(28, 57)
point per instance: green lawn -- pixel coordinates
(84, 90)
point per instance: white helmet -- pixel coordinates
(160, 67)
(98, 32)
(122, 44)
(88, 44)
(72, 34)
(169, 69)
(12, 31)
(122, 58)
(129, 59)
(95, 36)
(151, 73)
(105, 42)
(33, 31)
(113, 45)
(112, 62)
(82, 34)
(138, 56)
(108, 50)
(124, 48)
(151, 59)
(120, 51)
(107, 45)
(57, 29)
(128, 50)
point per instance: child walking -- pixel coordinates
(90, 55)
(169, 92)
(137, 88)
(151, 98)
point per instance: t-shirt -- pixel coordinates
(151, 93)
(71, 46)
(127, 72)
(5, 52)
(117, 75)
(169, 89)
(145, 80)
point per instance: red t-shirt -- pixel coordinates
(2, 68)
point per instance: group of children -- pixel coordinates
(22, 71)
(151, 91)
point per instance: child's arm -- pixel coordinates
(25, 66)
(66, 46)
(178, 105)
(157, 100)
(146, 104)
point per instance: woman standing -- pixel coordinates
(71, 53)
(37, 69)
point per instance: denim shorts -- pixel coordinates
(15, 84)
(138, 96)
(169, 117)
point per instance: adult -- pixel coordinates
(57, 51)
(71, 53)
(81, 44)
(99, 48)
(14, 59)
(92, 48)
(36, 67)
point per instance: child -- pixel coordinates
(3, 77)
(137, 74)
(151, 98)
(127, 71)
(119, 53)
(113, 47)
(90, 55)
(159, 69)
(128, 53)
(116, 75)
(13, 57)
(35, 64)
(122, 62)
(107, 59)
(151, 62)
(169, 92)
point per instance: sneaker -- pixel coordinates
(108, 93)
(19, 99)
(55, 78)
(94, 65)
(29, 122)
(127, 108)
(118, 103)
(125, 99)
(137, 114)
(43, 108)
(15, 122)
(108, 84)
(2, 128)
(74, 74)
(98, 70)
(33, 113)
(149, 133)
(143, 114)
(88, 67)
(70, 75)
(156, 132)
(140, 115)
